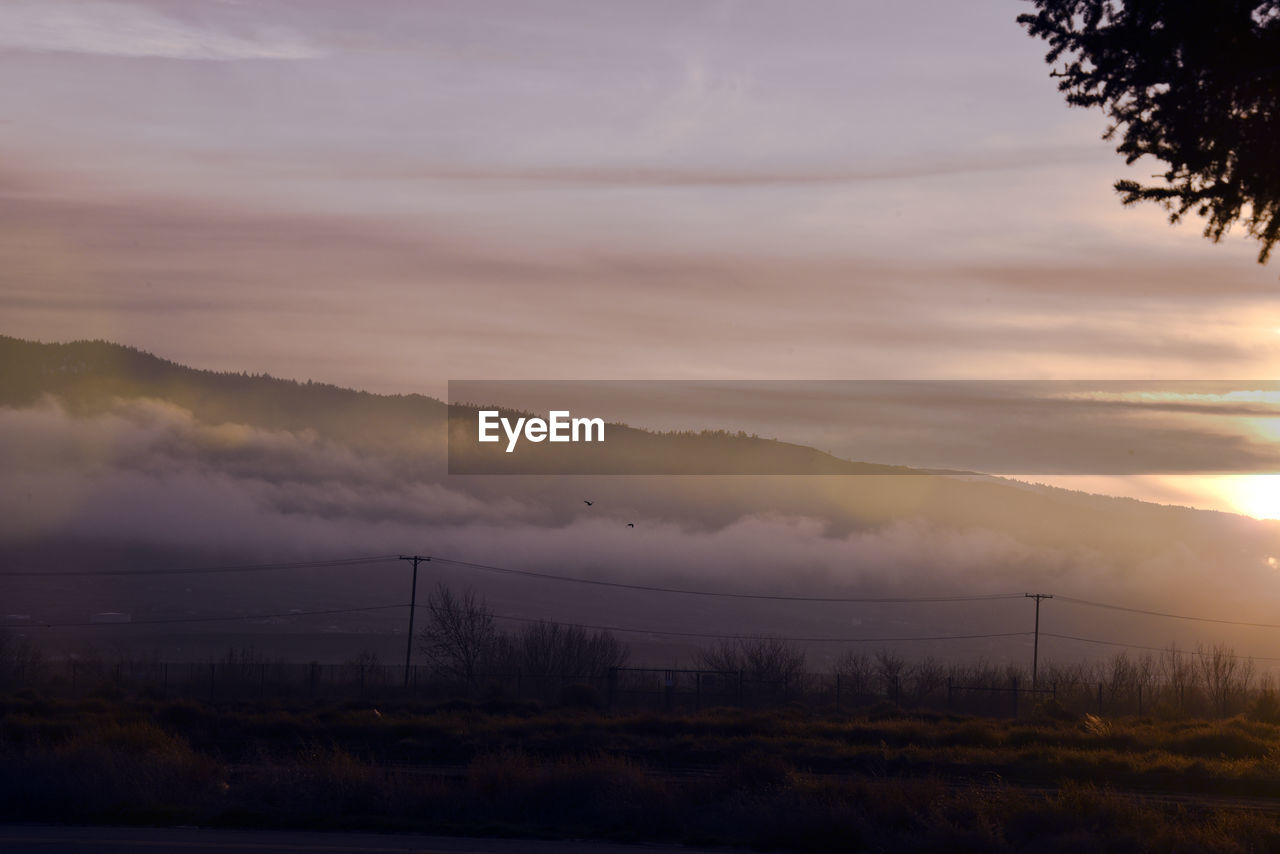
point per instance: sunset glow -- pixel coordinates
(787, 426)
(1256, 495)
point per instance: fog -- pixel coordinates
(163, 489)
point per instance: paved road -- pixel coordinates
(41, 839)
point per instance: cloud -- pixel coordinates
(152, 272)
(143, 484)
(607, 176)
(131, 30)
(147, 469)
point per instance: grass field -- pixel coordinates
(784, 779)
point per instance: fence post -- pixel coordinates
(837, 692)
(1014, 680)
(613, 685)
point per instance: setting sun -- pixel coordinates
(1256, 495)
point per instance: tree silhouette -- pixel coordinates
(460, 636)
(1193, 83)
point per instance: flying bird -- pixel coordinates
(631, 524)
(588, 503)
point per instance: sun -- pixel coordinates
(1256, 495)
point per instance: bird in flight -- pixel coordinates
(631, 524)
(588, 503)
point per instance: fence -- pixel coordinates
(620, 689)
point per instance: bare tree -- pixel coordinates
(925, 679)
(365, 666)
(759, 659)
(723, 656)
(889, 667)
(460, 637)
(857, 673)
(1224, 675)
(21, 661)
(771, 659)
(547, 648)
(1117, 677)
(1178, 674)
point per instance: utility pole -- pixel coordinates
(1035, 649)
(413, 605)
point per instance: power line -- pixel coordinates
(724, 594)
(623, 629)
(1130, 610)
(204, 570)
(369, 559)
(173, 620)
(712, 636)
(1152, 648)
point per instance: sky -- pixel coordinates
(390, 195)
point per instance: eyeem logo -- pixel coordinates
(557, 427)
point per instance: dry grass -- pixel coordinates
(782, 780)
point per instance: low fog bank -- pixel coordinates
(145, 484)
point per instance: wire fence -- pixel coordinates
(620, 689)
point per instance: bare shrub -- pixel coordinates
(545, 648)
(762, 659)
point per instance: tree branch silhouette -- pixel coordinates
(1192, 83)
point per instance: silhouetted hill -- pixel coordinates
(86, 376)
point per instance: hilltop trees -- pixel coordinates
(1192, 83)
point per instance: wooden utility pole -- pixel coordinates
(413, 605)
(1035, 649)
